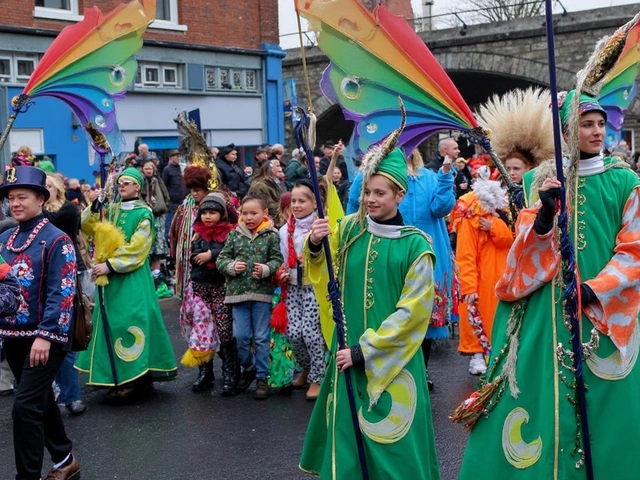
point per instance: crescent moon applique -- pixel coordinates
(517, 452)
(612, 367)
(329, 401)
(397, 423)
(132, 353)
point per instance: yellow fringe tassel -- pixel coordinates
(108, 238)
(193, 358)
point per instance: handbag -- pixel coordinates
(83, 321)
(160, 204)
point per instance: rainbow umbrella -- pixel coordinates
(89, 66)
(620, 87)
(376, 57)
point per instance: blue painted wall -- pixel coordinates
(69, 145)
(273, 93)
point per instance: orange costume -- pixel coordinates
(481, 255)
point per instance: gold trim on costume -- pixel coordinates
(396, 182)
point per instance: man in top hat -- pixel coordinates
(38, 336)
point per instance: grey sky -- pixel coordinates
(288, 23)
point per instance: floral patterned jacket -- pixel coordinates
(43, 260)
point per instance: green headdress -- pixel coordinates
(587, 104)
(134, 174)
(387, 160)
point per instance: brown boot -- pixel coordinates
(68, 472)
(301, 381)
(262, 389)
(312, 393)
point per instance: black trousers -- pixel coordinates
(37, 422)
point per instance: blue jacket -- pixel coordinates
(46, 270)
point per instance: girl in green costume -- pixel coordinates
(532, 429)
(385, 271)
(139, 341)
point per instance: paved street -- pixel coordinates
(175, 434)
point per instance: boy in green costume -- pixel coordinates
(532, 429)
(385, 270)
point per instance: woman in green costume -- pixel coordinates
(532, 429)
(139, 341)
(385, 270)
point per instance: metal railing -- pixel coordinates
(452, 19)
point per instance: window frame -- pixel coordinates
(216, 85)
(7, 78)
(255, 80)
(16, 75)
(173, 22)
(147, 83)
(72, 14)
(176, 83)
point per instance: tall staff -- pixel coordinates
(302, 129)
(569, 276)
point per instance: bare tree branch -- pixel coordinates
(498, 10)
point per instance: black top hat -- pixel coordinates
(25, 177)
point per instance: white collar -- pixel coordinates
(591, 166)
(384, 231)
(131, 204)
(306, 222)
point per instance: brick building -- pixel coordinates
(221, 56)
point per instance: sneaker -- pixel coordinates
(76, 408)
(477, 364)
(163, 291)
(262, 389)
(246, 379)
(429, 382)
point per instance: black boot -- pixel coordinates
(246, 379)
(205, 378)
(229, 355)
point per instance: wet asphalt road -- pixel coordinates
(175, 434)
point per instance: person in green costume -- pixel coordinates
(139, 340)
(531, 429)
(385, 271)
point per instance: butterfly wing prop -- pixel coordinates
(376, 57)
(90, 65)
(620, 87)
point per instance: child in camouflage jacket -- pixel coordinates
(249, 260)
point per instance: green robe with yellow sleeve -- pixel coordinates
(532, 432)
(139, 339)
(386, 279)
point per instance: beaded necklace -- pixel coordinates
(34, 233)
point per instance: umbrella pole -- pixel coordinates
(103, 310)
(570, 293)
(7, 129)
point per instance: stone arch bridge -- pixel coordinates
(483, 60)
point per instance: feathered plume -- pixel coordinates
(195, 148)
(590, 80)
(520, 121)
(607, 53)
(377, 153)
